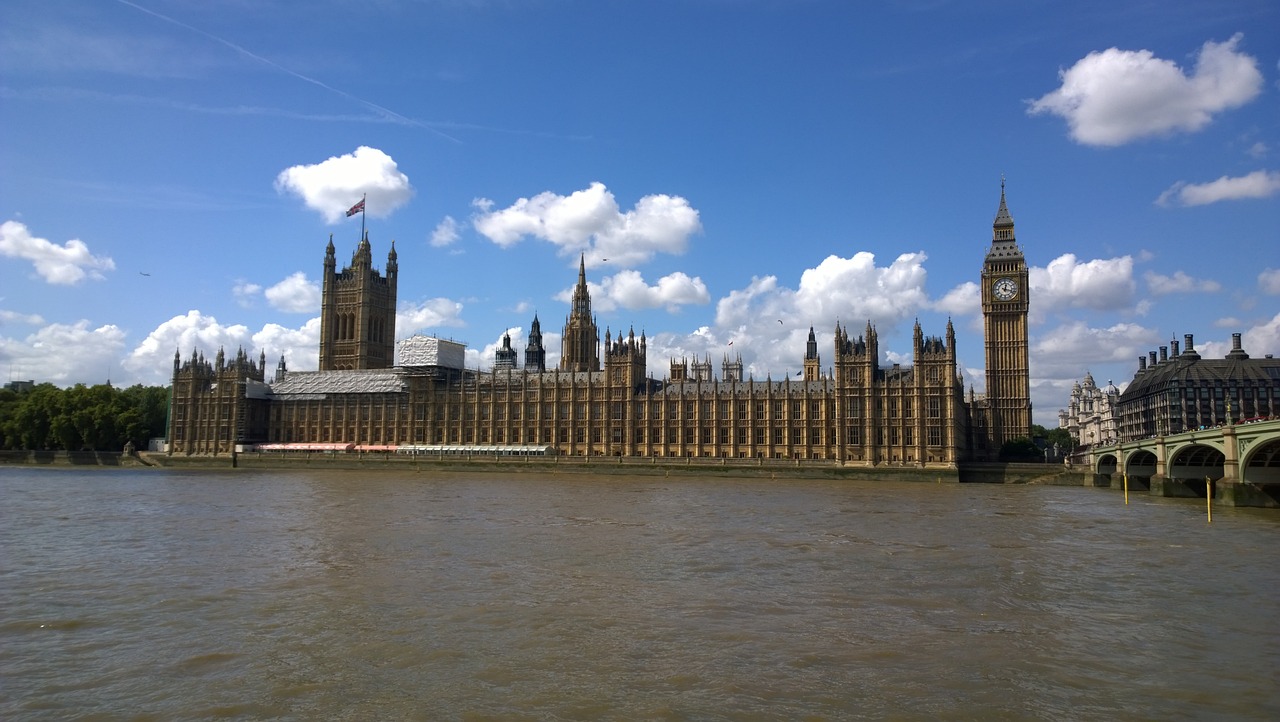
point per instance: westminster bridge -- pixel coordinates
(1238, 464)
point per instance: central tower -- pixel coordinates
(580, 344)
(1005, 302)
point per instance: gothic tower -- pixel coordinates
(358, 311)
(1005, 301)
(505, 356)
(535, 356)
(580, 345)
(811, 358)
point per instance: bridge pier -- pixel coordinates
(1137, 482)
(1177, 488)
(1240, 493)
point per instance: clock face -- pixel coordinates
(1005, 289)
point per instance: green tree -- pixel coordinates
(98, 417)
(9, 402)
(1021, 449)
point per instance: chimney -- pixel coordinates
(1236, 351)
(1173, 350)
(1142, 363)
(1164, 354)
(1189, 352)
(1152, 357)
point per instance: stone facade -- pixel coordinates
(1092, 415)
(600, 401)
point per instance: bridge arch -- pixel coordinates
(1141, 462)
(1261, 463)
(1195, 462)
(1106, 465)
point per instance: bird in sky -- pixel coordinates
(143, 274)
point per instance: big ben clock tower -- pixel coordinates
(1005, 301)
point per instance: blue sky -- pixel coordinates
(170, 172)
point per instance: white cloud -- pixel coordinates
(1101, 284)
(245, 293)
(335, 185)
(591, 222)
(1258, 150)
(1263, 339)
(855, 288)
(300, 347)
(628, 290)
(1115, 96)
(1269, 281)
(64, 265)
(963, 300)
(295, 294)
(65, 354)
(428, 315)
(768, 323)
(1068, 351)
(151, 361)
(1179, 282)
(29, 319)
(445, 234)
(1258, 184)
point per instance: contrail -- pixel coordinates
(386, 112)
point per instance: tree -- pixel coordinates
(97, 417)
(1021, 449)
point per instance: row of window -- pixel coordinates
(687, 435)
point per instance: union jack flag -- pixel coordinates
(357, 208)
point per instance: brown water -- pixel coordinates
(161, 595)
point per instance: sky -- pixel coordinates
(732, 173)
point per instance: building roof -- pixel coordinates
(318, 383)
(1189, 367)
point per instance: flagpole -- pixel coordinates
(363, 198)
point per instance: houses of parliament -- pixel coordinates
(600, 400)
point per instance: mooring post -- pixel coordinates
(1208, 499)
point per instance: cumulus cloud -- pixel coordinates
(427, 315)
(963, 300)
(445, 234)
(151, 361)
(1115, 96)
(65, 354)
(628, 290)
(590, 221)
(856, 288)
(64, 265)
(1179, 282)
(767, 323)
(1258, 184)
(1269, 281)
(1071, 349)
(295, 294)
(335, 185)
(1100, 284)
(1263, 338)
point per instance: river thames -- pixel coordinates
(162, 595)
